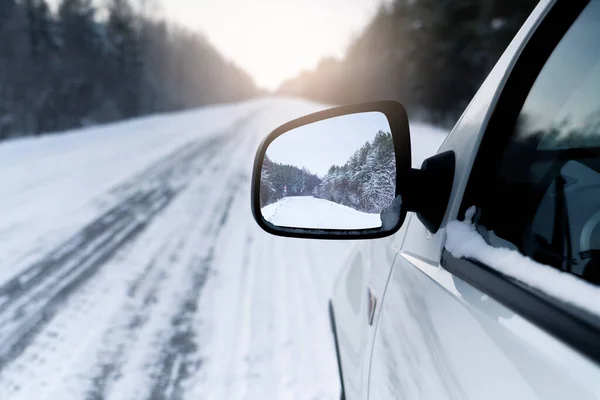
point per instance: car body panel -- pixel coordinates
(436, 336)
(366, 272)
(440, 338)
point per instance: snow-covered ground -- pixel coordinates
(313, 213)
(131, 268)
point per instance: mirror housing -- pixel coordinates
(392, 217)
(430, 188)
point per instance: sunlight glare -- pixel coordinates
(275, 40)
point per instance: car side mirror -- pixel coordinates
(335, 174)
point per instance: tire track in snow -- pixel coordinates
(178, 361)
(239, 333)
(175, 335)
(262, 345)
(180, 353)
(144, 289)
(31, 298)
(143, 296)
(142, 184)
(227, 212)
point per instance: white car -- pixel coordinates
(487, 284)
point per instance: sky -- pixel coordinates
(333, 141)
(274, 40)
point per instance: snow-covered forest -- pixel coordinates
(366, 182)
(84, 62)
(282, 180)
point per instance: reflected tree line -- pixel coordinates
(79, 63)
(574, 134)
(366, 182)
(282, 180)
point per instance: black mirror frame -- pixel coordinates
(398, 121)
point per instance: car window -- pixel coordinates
(545, 196)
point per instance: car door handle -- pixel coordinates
(372, 299)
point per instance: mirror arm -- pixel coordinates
(428, 189)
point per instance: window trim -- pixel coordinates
(566, 323)
(572, 326)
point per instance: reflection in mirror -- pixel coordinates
(338, 173)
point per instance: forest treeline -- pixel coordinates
(80, 63)
(431, 55)
(279, 180)
(366, 182)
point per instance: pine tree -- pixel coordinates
(66, 69)
(282, 180)
(44, 48)
(367, 181)
(82, 95)
(126, 63)
(15, 70)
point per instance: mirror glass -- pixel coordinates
(338, 173)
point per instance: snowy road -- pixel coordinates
(130, 267)
(314, 213)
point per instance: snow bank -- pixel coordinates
(313, 213)
(464, 241)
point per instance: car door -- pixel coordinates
(528, 157)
